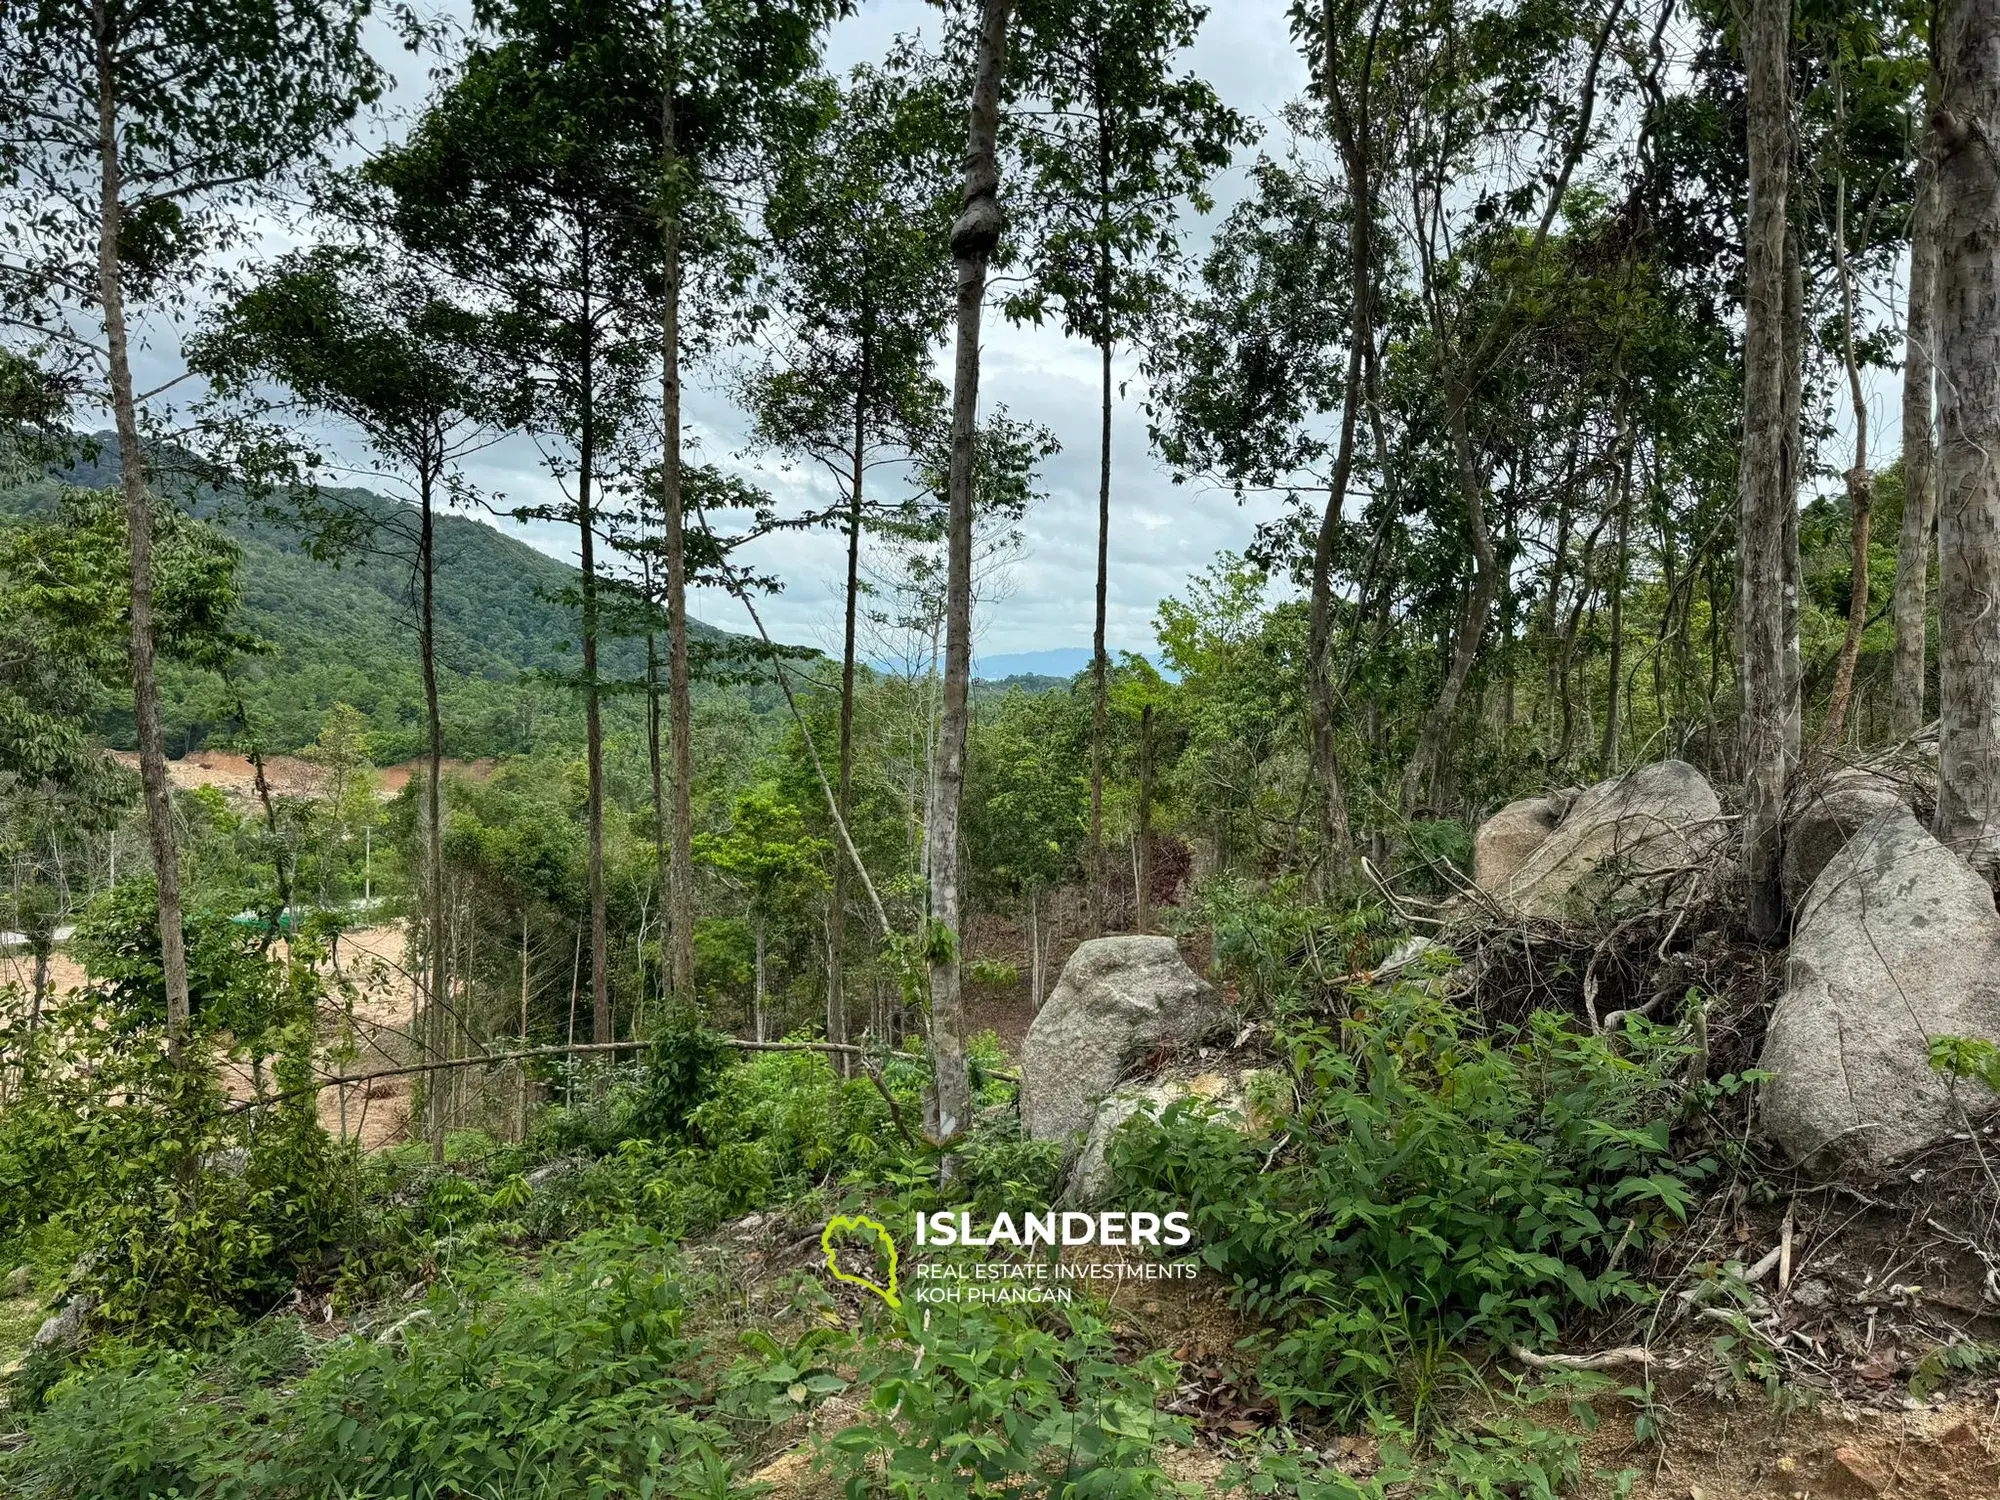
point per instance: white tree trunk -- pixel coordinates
(1968, 303)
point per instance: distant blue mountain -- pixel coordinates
(1062, 661)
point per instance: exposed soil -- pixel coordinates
(1744, 1451)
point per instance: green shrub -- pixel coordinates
(1430, 1187)
(977, 1401)
(1271, 942)
(187, 1213)
(582, 1382)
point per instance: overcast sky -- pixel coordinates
(1160, 533)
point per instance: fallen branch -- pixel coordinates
(1622, 1358)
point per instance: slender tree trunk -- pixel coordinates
(593, 716)
(757, 979)
(1860, 490)
(836, 994)
(521, 1084)
(1967, 124)
(1913, 551)
(139, 540)
(433, 803)
(1766, 479)
(1435, 733)
(655, 751)
(1621, 572)
(1100, 665)
(1142, 880)
(1350, 126)
(1034, 951)
(973, 237)
(680, 711)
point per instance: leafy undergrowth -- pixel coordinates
(559, 1317)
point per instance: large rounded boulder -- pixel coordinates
(1627, 836)
(1505, 841)
(1897, 944)
(1119, 999)
(1823, 815)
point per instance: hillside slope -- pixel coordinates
(345, 633)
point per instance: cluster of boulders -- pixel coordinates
(1895, 943)
(1895, 940)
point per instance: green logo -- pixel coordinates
(860, 1224)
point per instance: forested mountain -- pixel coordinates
(342, 632)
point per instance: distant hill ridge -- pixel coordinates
(345, 634)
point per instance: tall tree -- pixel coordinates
(1967, 124)
(1349, 58)
(1766, 633)
(131, 137)
(724, 95)
(975, 233)
(355, 334)
(1913, 549)
(856, 285)
(1472, 86)
(529, 178)
(1114, 142)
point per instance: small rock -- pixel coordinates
(1863, 1469)
(20, 1282)
(65, 1329)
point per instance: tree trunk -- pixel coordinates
(593, 716)
(655, 750)
(1435, 734)
(1913, 551)
(1142, 880)
(1336, 836)
(433, 805)
(139, 539)
(1860, 487)
(973, 237)
(1350, 126)
(1967, 125)
(680, 712)
(836, 945)
(521, 1084)
(1766, 479)
(757, 977)
(1607, 754)
(1034, 951)
(1100, 665)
